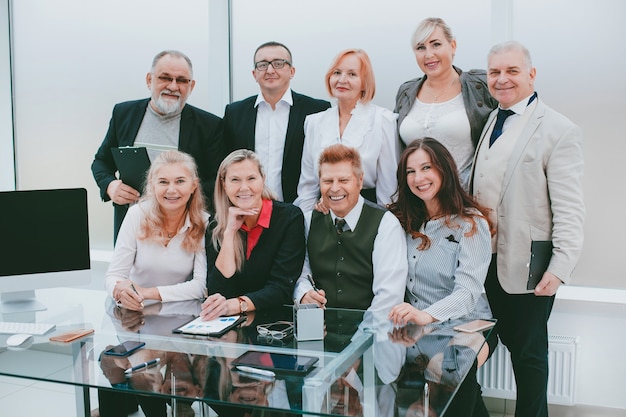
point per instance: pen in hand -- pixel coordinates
(317, 290)
(142, 366)
(310, 278)
(136, 292)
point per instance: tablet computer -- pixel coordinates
(280, 363)
(214, 328)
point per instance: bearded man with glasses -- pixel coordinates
(163, 121)
(271, 123)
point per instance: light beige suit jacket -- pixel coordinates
(541, 197)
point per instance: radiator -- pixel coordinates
(497, 380)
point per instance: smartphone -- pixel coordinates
(71, 335)
(277, 362)
(475, 326)
(125, 349)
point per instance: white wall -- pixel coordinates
(74, 59)
(601, 370)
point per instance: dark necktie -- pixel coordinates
(339, 224)
(497, 129)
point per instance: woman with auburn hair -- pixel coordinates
(354, 121)
(256, 248)
(448, 250)
(446, 102)
(159, 253)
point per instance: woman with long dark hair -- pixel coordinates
(449, 251)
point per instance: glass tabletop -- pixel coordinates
(360, 367)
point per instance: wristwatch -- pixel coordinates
(243, 304)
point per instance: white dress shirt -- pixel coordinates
(269, 138)
(371, 130)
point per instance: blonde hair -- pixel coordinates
(426, 27)
(367, 73)
(153, 224)
(223, 203)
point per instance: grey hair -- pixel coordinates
(426, 27)
(511, 46)
(174, 53)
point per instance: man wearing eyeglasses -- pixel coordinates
(163, 121)
(272, 123)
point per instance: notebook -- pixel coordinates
(540, 255)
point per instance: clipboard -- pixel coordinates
(213, 328)
(540, 255)
(132, 164)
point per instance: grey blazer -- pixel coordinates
(476, 99)
(541, 197)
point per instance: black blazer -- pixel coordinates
(269, 276)
(239, 127)
(200, 136)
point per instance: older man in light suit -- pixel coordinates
(528, 169)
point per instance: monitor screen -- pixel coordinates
(46, 232)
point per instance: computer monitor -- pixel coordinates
(45, 236)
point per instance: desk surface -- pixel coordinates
(355, 368)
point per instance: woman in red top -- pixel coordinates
(255, 244)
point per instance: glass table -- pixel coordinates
(360, 370)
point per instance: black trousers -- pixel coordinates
(468, 400)
(523, 329)
(121, 404)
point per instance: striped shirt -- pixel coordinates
(447, 279)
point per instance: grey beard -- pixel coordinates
(167, 106)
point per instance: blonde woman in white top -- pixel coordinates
(159, 253)
(354, 121)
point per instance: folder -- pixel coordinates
(132, 164)
(540, 255)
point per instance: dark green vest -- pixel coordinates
(342, 264)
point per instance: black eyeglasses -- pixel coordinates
(276, 64)
(179, 80)
(278, 330)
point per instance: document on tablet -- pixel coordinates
(214, 328)
(132, 164)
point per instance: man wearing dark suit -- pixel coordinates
(272, 123)
(164, 121)
(530, 175)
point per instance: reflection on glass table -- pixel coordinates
(358, 370)
(207, 375)
(438, 361)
